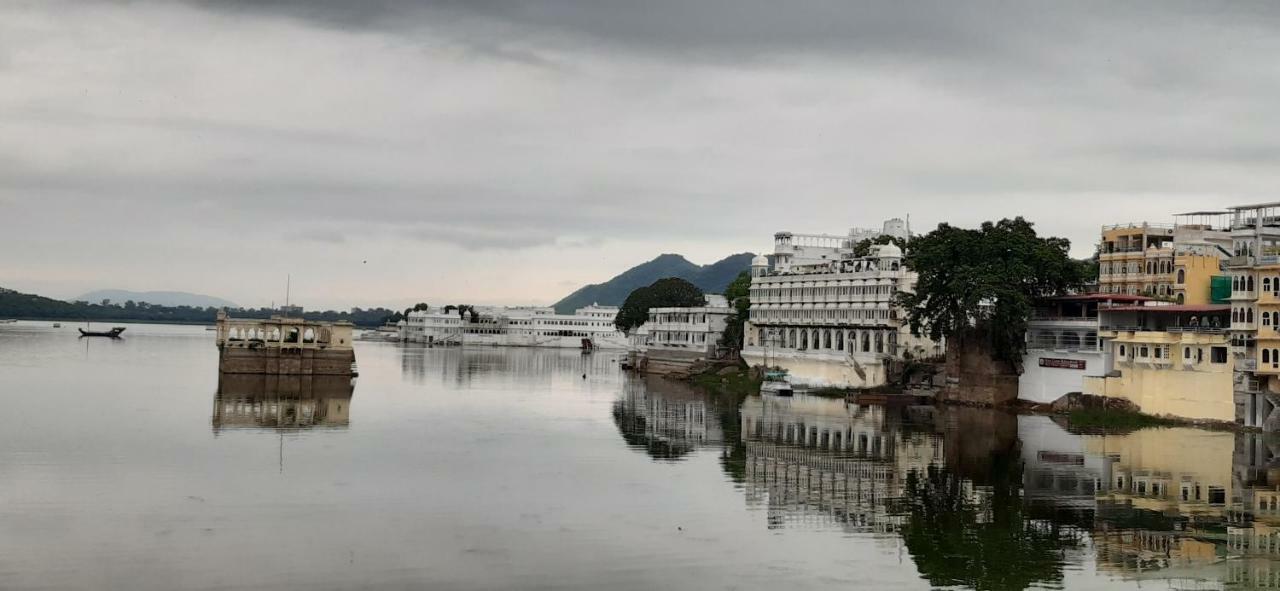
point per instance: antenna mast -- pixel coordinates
(288, 280)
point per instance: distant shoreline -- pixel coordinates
(140, 320)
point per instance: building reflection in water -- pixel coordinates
(249, 401)
(986, 499)
(668, 419)
(520, 367)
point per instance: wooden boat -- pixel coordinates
(112, 334)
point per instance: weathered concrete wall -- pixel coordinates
(331, 362)
(819, 369)
(1046, 384)
(665, 361)
(975, 376)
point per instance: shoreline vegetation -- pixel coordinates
(23, 306)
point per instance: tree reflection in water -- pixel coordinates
(959, 535)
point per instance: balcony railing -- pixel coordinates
(1242, 260)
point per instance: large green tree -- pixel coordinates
(670, 292)
(738, 292)
(983, 281)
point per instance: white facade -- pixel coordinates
(1063, 346)
(828, 317)
(696, 330)
(517, 327)
(791, 249)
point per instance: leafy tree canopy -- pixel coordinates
(738, 293)
(987, 279)
(671, 292)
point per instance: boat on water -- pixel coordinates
(114, 333)
(776, 383)
(57, 325)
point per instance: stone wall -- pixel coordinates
(975, 376)
(234, 360)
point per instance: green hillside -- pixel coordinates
(711, 278)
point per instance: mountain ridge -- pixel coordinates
(158, 298)
(712, 278)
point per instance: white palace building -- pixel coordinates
(827, 316)
(517, 327)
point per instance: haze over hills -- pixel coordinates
(159, 298)
(711, 278)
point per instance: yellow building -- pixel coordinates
(1193, 275)
(1137, 259)
(1168, 360)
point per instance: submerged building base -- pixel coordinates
(307, 362)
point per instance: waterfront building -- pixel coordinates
(827, 314)
(1254, 269)
(1168, 261)
(517, 327)
(285, 346)
(678, 337)
(1063, 345)
(1167, 359)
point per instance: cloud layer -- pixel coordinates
(389, 150)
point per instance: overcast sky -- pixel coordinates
(385, 152)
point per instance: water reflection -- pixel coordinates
(459, 366)
(248, 401)
(988, 500)
(667, 419)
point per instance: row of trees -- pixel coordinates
(33, 307)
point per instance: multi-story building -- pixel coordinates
(828, 316)
(1136, 259)
(675, 338)
(1063, 345)
(1175, 262)
(1255, 313)
(1167, 359)
(589, 327)
(801, 250)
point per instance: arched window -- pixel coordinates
(1249, 283)
(1180, 298)
(1122, 350)
(1266, 355)
(1182, 275)
(826, 339)
(866, 341)
(804, 339)
(839, 340)
(1266, 284)
(1248, 315)
(879, 342)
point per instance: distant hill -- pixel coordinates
(711, 278)
(158, 298)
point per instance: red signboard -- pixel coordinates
(1062, 363)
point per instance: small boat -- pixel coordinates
(114, 333)
(776, 383)
(211, 328)
(57, 325)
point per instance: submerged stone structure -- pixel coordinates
(284, 346)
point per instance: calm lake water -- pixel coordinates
(129, 465)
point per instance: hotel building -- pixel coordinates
(826, 314)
